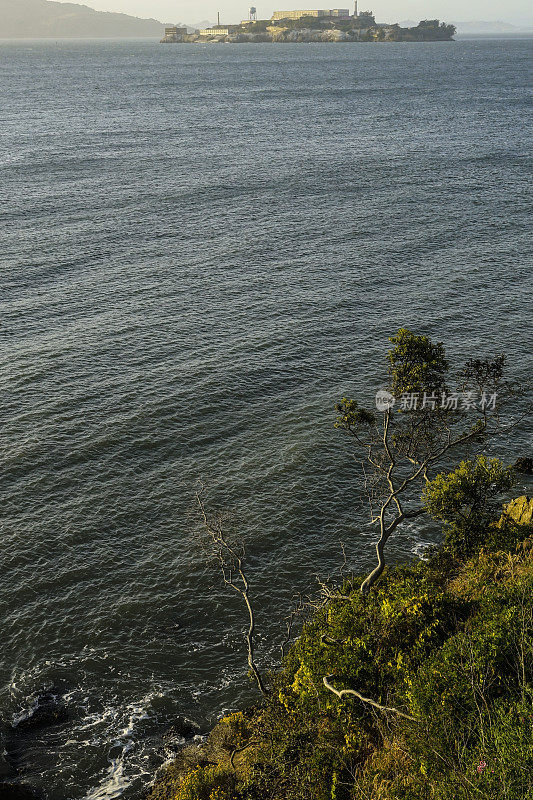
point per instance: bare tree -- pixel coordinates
(231, 561)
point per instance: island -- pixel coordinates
(336, 25)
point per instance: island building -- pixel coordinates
(175, 31)
(252, 16)
(218, 31)
(337, 13)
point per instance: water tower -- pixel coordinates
(252, 16)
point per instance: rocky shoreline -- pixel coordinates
(234, 748)
(431, 31)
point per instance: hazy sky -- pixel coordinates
(514, 11)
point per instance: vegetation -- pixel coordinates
(364, 20)
(426, 31)
(258, 27)
(421, 685)
(464, 501)
(447, 642)
(421, 422)
(362, 27)
(316, 29)
(304, 22)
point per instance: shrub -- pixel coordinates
(465, 501)
(448, 642)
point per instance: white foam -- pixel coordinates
(117, 777)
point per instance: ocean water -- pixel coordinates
(202, 249)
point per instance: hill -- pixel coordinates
(35, 19)
(445, 648)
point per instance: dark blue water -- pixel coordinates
(203, 247)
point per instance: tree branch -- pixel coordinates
(380, 547)
(351, 692)
(232, 563)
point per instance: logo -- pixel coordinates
(384, 400)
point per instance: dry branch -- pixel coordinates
(351, 692)
(231, 564)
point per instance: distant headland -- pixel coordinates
(337, 25)
(41, 19)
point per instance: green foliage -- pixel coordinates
(426, 31)
(312, 23)
(207, 783)
(465, 500)
(484, 373)
(449, 641)
(438, 657)
(416, 365)
(418, 426)
(351, 416)
(258, 27)
(198, 782)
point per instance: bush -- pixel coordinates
(448, 642)
(465, 501)
(207, 783)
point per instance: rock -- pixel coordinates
(48, 710)
(524, 465)
(183, 728)
(156, 759)
(520, 510)
(18, 791)
(229, 733)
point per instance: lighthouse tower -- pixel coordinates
(355, 12)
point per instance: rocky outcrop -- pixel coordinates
(292, 35)
(524, 465)
(48, 710)
(45, 709)
(224, 746)
(307, 35)
(519, 511)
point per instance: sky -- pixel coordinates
(517, 12)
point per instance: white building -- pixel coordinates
(214, 32)
(342, 13)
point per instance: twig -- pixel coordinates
(289, 625)
(344, 692)
(240, 750)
